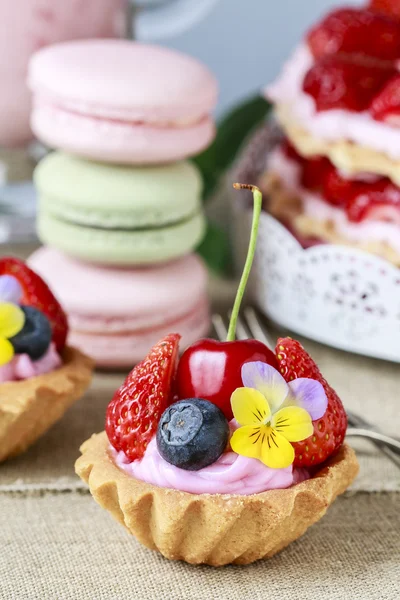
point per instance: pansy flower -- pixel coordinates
(12, 320)
(10, 289)
(273, 413)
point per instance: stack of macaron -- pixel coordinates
(119, 208)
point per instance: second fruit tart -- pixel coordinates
(338, 94)
(40, 377)
(226, 456)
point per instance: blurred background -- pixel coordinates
(247, 40)
(244, 42)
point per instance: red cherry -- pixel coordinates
(212, 370)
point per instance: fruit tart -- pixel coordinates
(40, 377)
(226, 455)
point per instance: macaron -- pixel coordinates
(115, 214)
(116, 315)
(122, 101)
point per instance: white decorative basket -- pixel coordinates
(333, 294)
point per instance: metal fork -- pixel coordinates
(249, 325)
(360, 427)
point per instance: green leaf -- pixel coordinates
(232, 130)
(215, 250)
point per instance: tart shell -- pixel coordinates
(28, 408)
(212, 529)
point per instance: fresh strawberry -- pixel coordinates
(379, 201)
(385, 106)
(343, 82)
(329, 430)
(135, 410)
(36, 293)
(356, 31)
(391, 8)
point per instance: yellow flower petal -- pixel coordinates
(250, 407)
(12, 319)
(6, 352)
(293, 422)
(247, 441)
(276, 452)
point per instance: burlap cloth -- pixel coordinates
(63, 546)
(58, 544)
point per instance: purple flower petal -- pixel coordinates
(310, 395)
(267, 380)
(10, 289)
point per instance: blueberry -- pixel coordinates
(192, 434)
(35, 337)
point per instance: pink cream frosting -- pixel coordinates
(330, 125)
(23, 367)
(230, 474)
(316, 207)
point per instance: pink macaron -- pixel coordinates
(121, 101)
(116, 315)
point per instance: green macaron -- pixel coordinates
(119, 214)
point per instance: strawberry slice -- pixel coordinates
(385, 214)
(337, 190)
(134, 412)
(379, 201)
(390, 8)
(314, 172)
(329, 430)
(290, 151)
(363, 32)
(366, 197)
(345, 83)
(36, 293)
(385, 106)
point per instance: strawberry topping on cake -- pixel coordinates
(356, 62)
(363, 198)
(345, 82)
(356, 31)
(386, 105)
(390, 8)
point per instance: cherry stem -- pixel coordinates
(257, 199)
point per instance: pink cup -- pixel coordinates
(26, 26)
